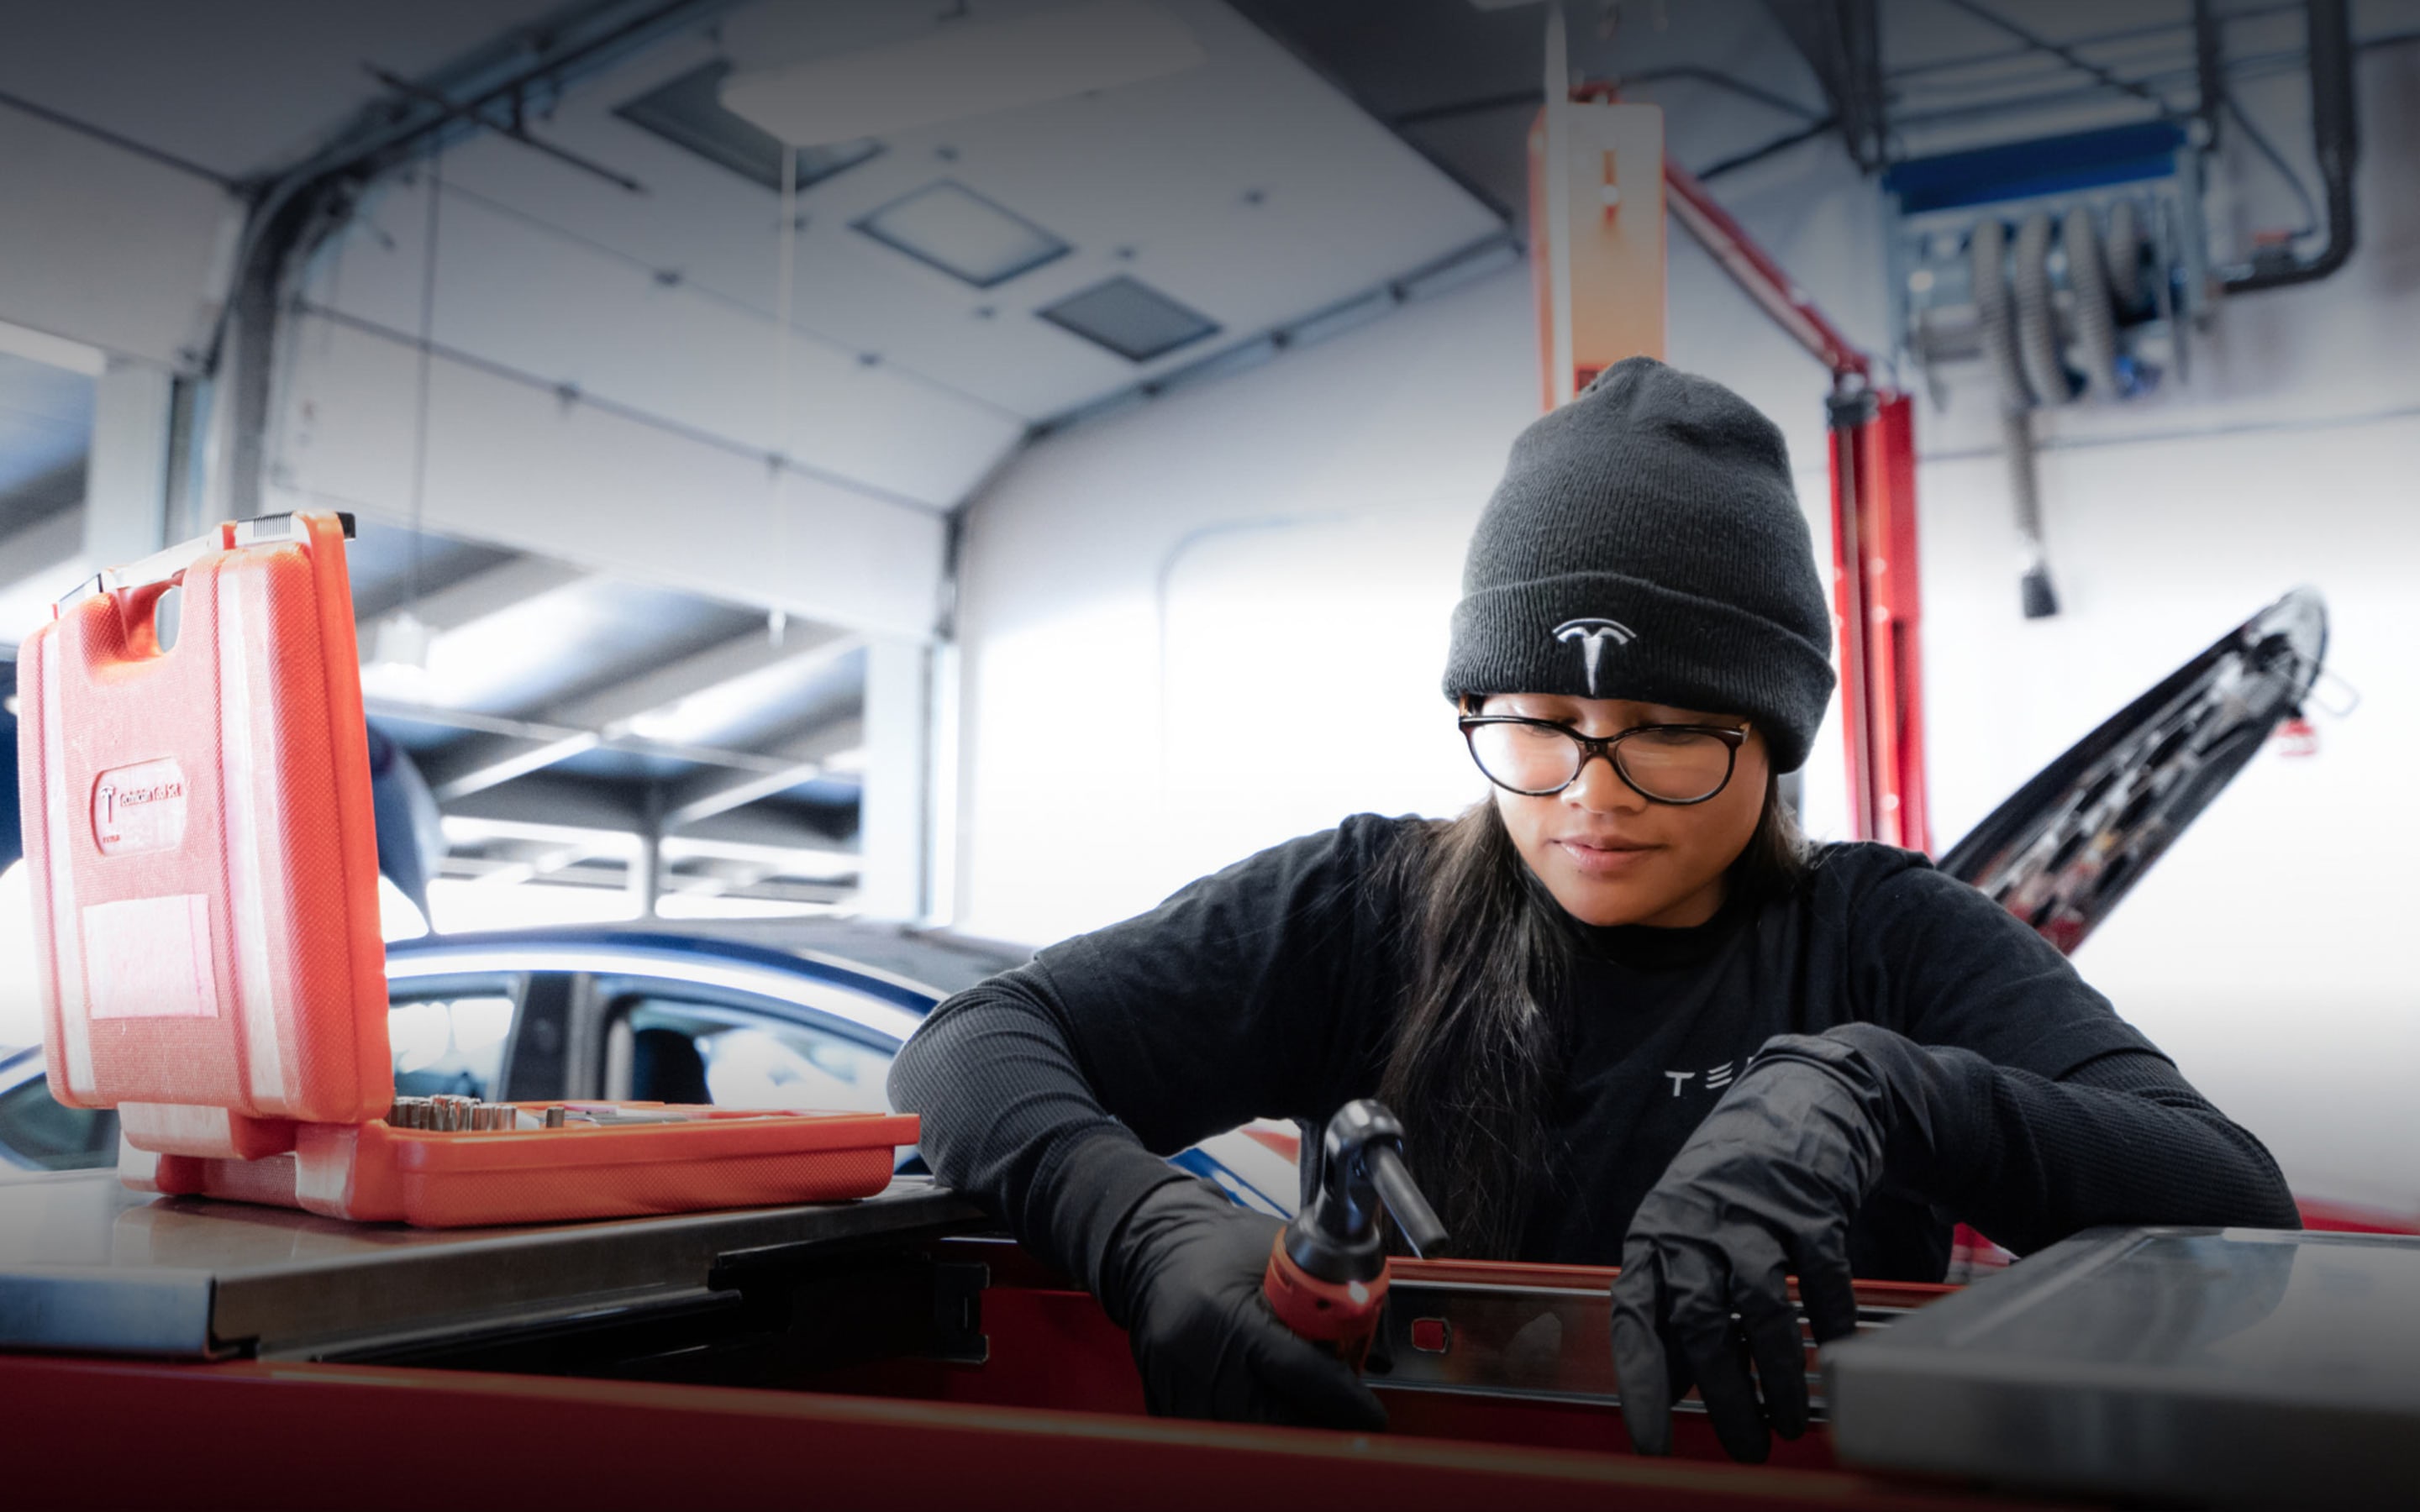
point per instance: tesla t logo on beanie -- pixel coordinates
(1593, 635)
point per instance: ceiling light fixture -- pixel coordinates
(963, 234)
(1130, 318)
(401, 642)
(964, 70)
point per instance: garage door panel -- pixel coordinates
(515, 294)
(104, 247)
(510, 463)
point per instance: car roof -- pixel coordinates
(672, 951)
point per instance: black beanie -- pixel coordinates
(1646, 544)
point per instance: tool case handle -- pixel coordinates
(169, 566)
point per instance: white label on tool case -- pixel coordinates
(139, 808)
(149, 958)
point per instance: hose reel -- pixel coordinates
(2065, 266)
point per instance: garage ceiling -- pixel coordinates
(952, 289)
(237, 90)
(1220, 202)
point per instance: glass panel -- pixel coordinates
(40, 1133)
(963, 234)
(682, 1052)
(450, 1044)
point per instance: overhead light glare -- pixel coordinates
(688, 111)
(402, 641)
(964, 70)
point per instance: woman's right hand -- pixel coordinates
(1185, 1281)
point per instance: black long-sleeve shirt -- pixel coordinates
(1271, 989)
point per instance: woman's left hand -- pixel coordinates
(1765, 1188)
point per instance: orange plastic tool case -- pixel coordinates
(199, 829)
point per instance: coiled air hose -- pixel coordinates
(1996, 321)
(2096, 318)
(2124, 256)
(2038, 343)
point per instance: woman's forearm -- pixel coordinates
(1010, 1121)
(2124, 1140)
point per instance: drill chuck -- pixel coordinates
(1327, 1270)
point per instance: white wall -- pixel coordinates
(2268, 951)
(1149, 601)
(1306, 521)
(1171, 619)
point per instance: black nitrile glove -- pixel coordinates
(1184, 1278)
(1762, 1190)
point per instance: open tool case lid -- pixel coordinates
(199, 823)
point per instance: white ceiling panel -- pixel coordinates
(566, 310)
(1247, 188)
(507, 462)
(106, 247)
(235, 89)
(973, 66)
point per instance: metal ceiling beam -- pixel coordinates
(808, 758)
(485, 766)
(607, 715)
(544, 862)
(2066, 53)
(1841, 40)
(546, 812)
(485, 594)
(801, 647)
(819, 857)
(566, 814)
(536, 733)
(772, 886)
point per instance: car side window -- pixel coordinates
(42, 1133)
(449, 1038)
(675, 1049)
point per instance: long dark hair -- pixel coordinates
(1479, 1047)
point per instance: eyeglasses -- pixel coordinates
(1676, 763)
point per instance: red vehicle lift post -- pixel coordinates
(1877, 604)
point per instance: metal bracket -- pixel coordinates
(1532, 1342)
(165, 565)
(843, 1304)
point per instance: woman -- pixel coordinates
(1625, 1014)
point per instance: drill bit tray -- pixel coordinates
(466, 1164)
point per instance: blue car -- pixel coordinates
(636, 1014)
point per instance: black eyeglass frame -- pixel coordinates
(1592, 747)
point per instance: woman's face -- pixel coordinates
(1609, 854)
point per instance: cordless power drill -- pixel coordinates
(1327, 1270)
